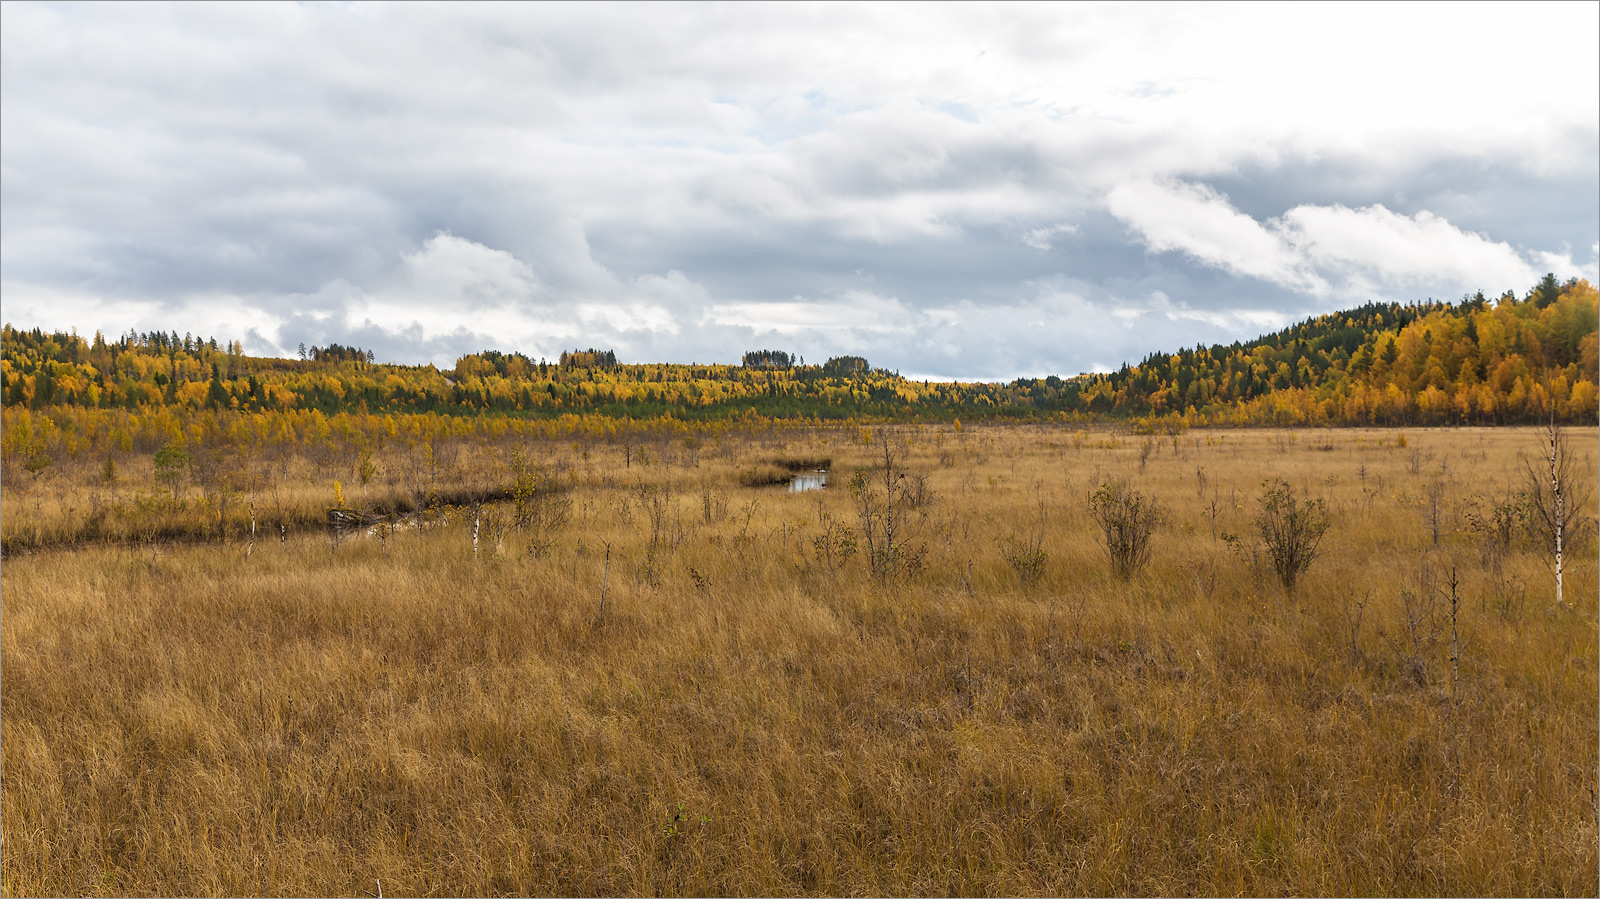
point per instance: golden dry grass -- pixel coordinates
(744, 720)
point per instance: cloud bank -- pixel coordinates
(1328, 251)
(952, 191)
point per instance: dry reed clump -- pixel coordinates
(756, 715)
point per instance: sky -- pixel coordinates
(973, 192)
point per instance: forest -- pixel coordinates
(1477, 361)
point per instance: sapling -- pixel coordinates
(477, 520)
(885, 496)
(1433, 508)
(1554, 499)
(605, 578)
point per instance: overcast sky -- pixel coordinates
(974, 192)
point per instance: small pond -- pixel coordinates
(811, 480)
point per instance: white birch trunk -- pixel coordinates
(1561, 511)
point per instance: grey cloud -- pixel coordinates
(277, 165)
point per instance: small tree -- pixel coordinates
(1554, 501)
(171, 460)
(538, 508)
(37, 458)
(1291, 529)
(1127, 518)
(886, 496)
(524, 484)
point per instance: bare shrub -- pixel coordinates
(886, 496)
(1354, 611)
(1497, 525)
(836, 544)
(660, 505)
(713, 503)
(1505, 595)
(1292, 530)
(1435, 508)
(1127, 518)
(1426, 612)
(1417, 626)
(1414, 461)
(1146, 450)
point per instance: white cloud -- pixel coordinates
(1325, 251)
(1197, 220)
(1373, 248)
(1040, 238)
(1563, 266)
(855, 311)
(453, 271)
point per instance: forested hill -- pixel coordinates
(1478, 361)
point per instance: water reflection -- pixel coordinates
(815, 480)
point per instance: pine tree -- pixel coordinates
(216, 396)
(1547, 291)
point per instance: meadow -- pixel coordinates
(648, 668)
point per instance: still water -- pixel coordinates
(815, 480)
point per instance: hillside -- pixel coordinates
(1473, 362)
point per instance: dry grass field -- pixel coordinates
(694, 686)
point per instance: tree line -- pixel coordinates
(1476, 361)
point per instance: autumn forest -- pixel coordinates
(1478, 361)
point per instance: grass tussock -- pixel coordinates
(758, 711)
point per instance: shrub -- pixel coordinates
(886, 495)
(1026, 555)
(1291, 529)
(1127, 518)
(837, 542)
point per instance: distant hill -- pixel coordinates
(1479, 361)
